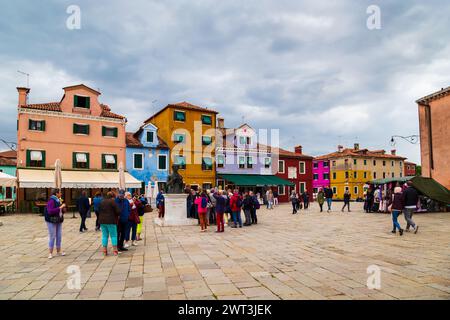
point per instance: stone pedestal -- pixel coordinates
(175, 212)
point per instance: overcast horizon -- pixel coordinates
(312, 69)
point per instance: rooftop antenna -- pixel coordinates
(28, 77)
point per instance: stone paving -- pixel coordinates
(311, 255)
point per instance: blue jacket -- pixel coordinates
(159, 199)
(124, 206)
(221, 203)
(96, 202)
(83, 205)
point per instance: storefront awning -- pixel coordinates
(255, 180)
(29, 178)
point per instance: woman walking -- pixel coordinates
(202, 209)
(321, 199)
(270, 200)
(396, 208)
(54, 217)
(160, 204)
(294, 201)
(109, 214)
(346, 201)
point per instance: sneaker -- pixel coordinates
(401, 232)
(62, 254)
(135, 243)
(50, 256)
(416, 229)
(116, 253)
(393, 231)
(126, 245)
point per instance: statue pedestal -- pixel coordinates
(175, 212)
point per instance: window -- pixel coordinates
(316, 176)
(355, 162)
(384, 175)
(220, 161)
(280, 166)
(302, 187)
(325, 164)
(326, 176)
(109, 161)
(346, 174)
(316, 165)
(206, 120)
(355, 190)
(292, 172)
(384, 163)
(401, 175)
(80, 160)
(301, 167)
(346, 189)
(180, 161)
(207, 164)
(374, 175)
(80, 128)
(81, 102)
(249, 162)
(206, 140)
(138, 161)
(109, 132)
(162, 162)
(334, 190)
(241, 162)
(392, 163)
(207, 186)
(179, 116)
(281, 190)
(374, 162)
(315, 190)
(365, 175)
(334, 175)
(249, 140)
(401, 163)
(365, 162)
(150, 136)
(334, 163)
(242, 140)
(268, 163)
(392, 174)
(8, 192)
(355, 175)
(179, 137)
(36, 125)
(35, 159)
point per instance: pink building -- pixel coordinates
(321, 174)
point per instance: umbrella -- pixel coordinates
(7, 180)
(121, 177)
(58, 175)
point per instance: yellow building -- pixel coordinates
(189, 131)
(351, 169)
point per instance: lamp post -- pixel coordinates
(413, 139)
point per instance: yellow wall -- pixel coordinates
(193, 149)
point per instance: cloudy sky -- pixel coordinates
(309, 68)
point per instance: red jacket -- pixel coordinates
(233, 202)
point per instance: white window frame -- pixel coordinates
(270, 162)
(146, 136)
(292, 173)
(299, 167)
(167, 165)
(300, 186)
(181, 112)
(111, 137)
(35, 130)
(317, 176)
(240, 140)
(239, 162)
(284, 166)
(217, 160)
(252, 162)
(334, 189)
(134, 158)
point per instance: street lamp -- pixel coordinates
(413, 139)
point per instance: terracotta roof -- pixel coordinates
(434, 96)
(287, 153)
(361, 153)
(10, 154)
(182, 105)
(407, 162)
(108, 114)
(133, 141)
(50, 106)
(82, 86)
(8, 162)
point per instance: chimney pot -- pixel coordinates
(299, 149)
(220, 123)
(393, 152)
(23, 95)
(340, 148)
(356, 146)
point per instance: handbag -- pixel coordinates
(148, 208)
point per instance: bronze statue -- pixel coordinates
(175, 182)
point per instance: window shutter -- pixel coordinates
(28, 158)
(116, 132)
(103, 131)
(74, 160)
(88, 102)
(75, 101)
(103, 162)
(29, 124)
(115, 158)
(87, 160)
(43, 159)
(74, 128)
(87, 129)
(43, 125)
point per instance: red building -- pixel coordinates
(410, 169)
(297, 168)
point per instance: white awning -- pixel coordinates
(110, 159)
(74, 179)
(36, 155)
(6, 180)
(81, 157)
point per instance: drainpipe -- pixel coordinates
(430, 137)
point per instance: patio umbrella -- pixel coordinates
(121, 177)
(58, 175)
(149, 190)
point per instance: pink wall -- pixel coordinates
(320, 171)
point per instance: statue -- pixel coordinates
(175, 182)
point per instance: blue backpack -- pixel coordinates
(204, 202)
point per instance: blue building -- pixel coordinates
(147, 156)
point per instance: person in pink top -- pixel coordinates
(202, 209)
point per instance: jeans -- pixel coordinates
(395, 214)
(305, 204)
(220, 223)
(408, 213)
(294, 207)
(123, 228)
(132, 226)
(254, 216)
(346, 204)
(237, 218)
(109, 230)
(248, 217)
(321, 207)
(83, 221)
(97, 225)
(212, 215)
(329, 201)
(54, 235)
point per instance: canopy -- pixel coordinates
(255, 180)
(389, 180)
(6, 180)
(29, 178)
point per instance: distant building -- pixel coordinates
(434, 120)
(8, 162)
(321, 174)
(410, 169)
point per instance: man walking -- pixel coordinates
(255, 207)
(83, 206)
(329, 197)
(123, 226)
(346, 200)
(410, 199)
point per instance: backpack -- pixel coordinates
(256, 204)
(204, 202)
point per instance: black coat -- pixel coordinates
(410, 197)
(109, 212)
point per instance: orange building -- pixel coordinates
(82, 133)
(434, 119)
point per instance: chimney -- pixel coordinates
(393, 152)
(220, 123)
(340, 148)
(23, 95)
(298, 149)
(356, 146)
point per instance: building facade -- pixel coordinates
(410, 169)
(8, 161)
(87, 138)
(295, 167)
(148, 156)
(321, 174)
(351, 169)
(434, 119)
(189, 131)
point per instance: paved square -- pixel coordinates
(311, 255)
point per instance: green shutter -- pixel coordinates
(87, 161)
(88, 102)
(103, 131)
(87, 129)
(28, 157)
(43, 125)
(115, 160)
(74, 160)
(116, 132)
(29, 124)
(103, 162)
(74, 128)
(43, 159)
(75, 101)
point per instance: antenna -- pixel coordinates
(28, 77)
